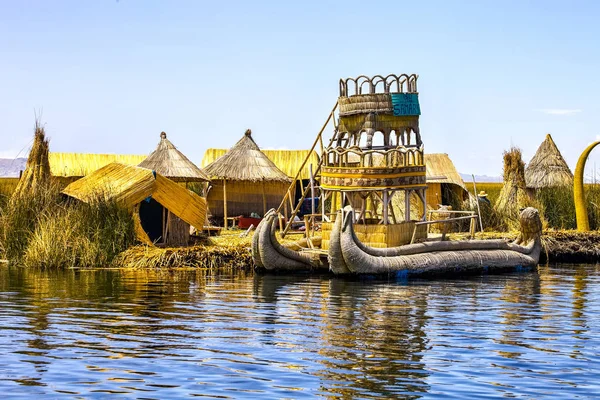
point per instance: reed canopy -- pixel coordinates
(244, 181)
(168, 161)
(163, 210)
(548, 168)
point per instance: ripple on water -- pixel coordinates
(151, 335)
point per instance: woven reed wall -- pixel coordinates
(244, 198)
(82, 164)
(178, 233)
(433, 195)
(381, 236)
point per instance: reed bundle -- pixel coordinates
(513, 195)
(37, 172)
(203, 256)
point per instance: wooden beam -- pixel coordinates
(225, 204)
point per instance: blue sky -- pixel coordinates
(109, 76)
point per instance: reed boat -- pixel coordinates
(371, 197)
(347, 255)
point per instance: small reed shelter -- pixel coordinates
(445, 186)
(171, 163)
(548, 168)
(134, 187)
(244, 181)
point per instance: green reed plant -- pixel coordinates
(76, 234)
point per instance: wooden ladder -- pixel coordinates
(289, 196)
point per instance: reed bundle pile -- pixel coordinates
(513, 195)
(204, 256)
(37, 172)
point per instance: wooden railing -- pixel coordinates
(471, 215)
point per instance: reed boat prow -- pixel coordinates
(267, 252)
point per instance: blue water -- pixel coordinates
(140, 334)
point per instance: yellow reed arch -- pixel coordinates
(583, 222)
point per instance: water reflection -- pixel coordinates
(173, 334)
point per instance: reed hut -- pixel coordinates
(548, 168)
(444, 183)
(244, 181)
(168, 161)
(151, 197)
(289, 161)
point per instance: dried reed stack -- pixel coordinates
(513, 194)
(36, 176)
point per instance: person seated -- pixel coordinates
(482, 197)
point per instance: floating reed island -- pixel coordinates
(367, 199)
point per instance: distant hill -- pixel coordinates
(10, 167)
(480, 178)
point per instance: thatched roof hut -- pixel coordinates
(548, 168)
(245, 181)
(444, 183)
(170, 162)
(154, 200)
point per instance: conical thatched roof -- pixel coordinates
(245, 162)
(170, 162)
(548, 168)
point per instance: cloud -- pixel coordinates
(560, 111)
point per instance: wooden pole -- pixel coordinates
(477, 200)
(385, 207)
(312, 199)
(225, 204)
(264, 197)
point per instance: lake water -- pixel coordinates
(144, 334)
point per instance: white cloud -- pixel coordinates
(560, 111)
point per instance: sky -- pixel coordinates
(108, 76)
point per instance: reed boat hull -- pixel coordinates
(347, 255)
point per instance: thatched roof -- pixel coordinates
(82, 164)
(288, 161)
(548, 168)
(440, 169)
(130, 185)
(245, 162)
(170, 162)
